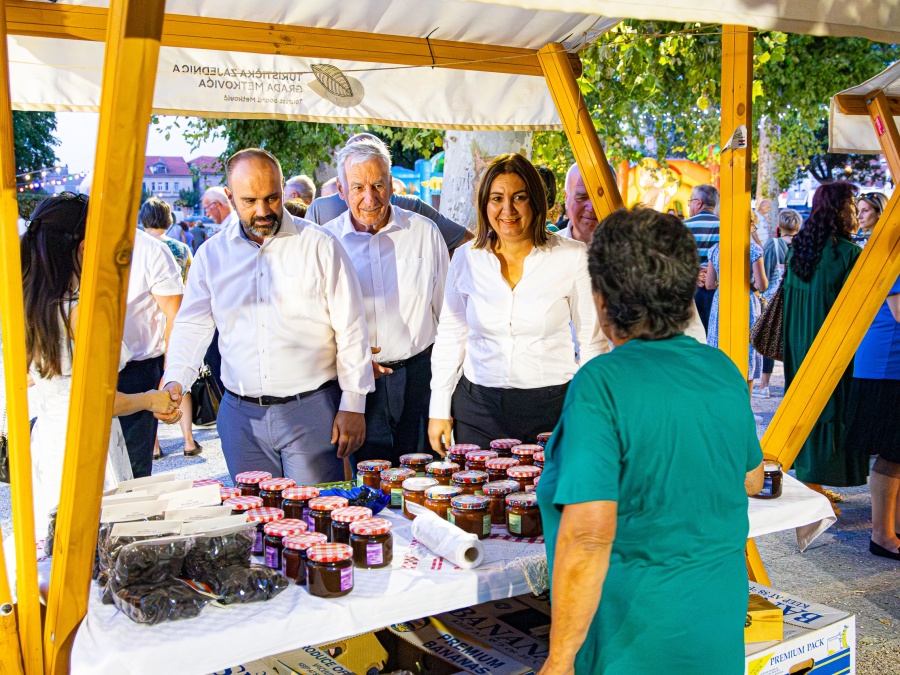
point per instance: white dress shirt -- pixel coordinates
(289, 312)
(514, 338)
(401, 270)
(565, 232)
(154, 271)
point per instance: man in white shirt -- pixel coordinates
(296, 361)
(216, 206)
(582, 219)
(401, 261)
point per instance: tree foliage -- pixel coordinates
(34, 140)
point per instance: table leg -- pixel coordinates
(756, 571)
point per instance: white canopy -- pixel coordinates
(855, 133)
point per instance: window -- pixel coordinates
(176, 186)
(167, 186)
(153, 186)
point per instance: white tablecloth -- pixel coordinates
(798, 508)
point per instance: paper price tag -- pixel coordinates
(136, 483)
(171, 486)
(204, 513)
(192, 498)
(156, 528)
(142, 510)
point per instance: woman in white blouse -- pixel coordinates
(518, 318)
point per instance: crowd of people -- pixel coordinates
(363, 323)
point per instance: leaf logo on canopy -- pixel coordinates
(333, 85)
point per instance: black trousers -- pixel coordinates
(140, 428)
(704, 301)
(483, 414)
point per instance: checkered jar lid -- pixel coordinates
(373, 466)
(276, 484)
(208, 481)
(442, 468)
(300, 492)
(538, 455)
(525, 449)
(544, 436)
(226, 493)
(243, 503)
(370, 527)
(301, 542)
(348, 514)
(505, 443)
(470, 477)
(523, 471)
(397, 475)
(462, 448)
(329, 553)
(470, 502)
(501, 463)
(415, 459)
(442, 492)
(500, 487)
(285, 527)
(480, 455)
(266, 514)
(327, 503)
(251, 477)
(523, 499)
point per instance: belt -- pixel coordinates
(396, 365)
(280, 400)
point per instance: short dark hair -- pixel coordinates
(534, 188)
(296, 207)
(155, 214)
(644, 264)
(246, 154)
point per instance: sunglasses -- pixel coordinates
(873, 199)
(64, 196)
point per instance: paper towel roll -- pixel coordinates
(445, 539)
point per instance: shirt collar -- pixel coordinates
(397, 218)
(288, 227)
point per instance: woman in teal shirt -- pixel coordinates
(646, 477)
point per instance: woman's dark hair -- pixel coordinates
(644, 264)
(534, 188)
(831, 219)
(50, 264)
(155, 214)
(549, 179)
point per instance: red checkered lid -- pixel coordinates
(300, 492)
(544, 436)
(418, 483)
(250, 477)
(526, 449)
(373, 466)
(505, 443)
(500, 487)
(538, 455)
(442, 492)
(370, 527)
(536, 479)
(348, 514)
(442, 468)
(208, 481)
(243, 503)
(277, 484)
(470, 502)
(327, 503)
(462, 448)
(416, 458)
(226, 493)
(501, 463)
(480, 455)
(524, 499)
(470, 477)
(266, 514)
(286, 527)
(397, 475)
(329, 553)
(523, 471)
(301, 542)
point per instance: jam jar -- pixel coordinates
(414, 491)
(457, 453)
(416, 461)
(341, 519)
(470, 481)
(441, 471)
(392, 484)
(320, 509)
(275, 533)
(539, 459)
(523, 475)
(240, 505)
(270, 490)
(261, 516)
(543, 437)
(368, 472)
(437, 499)
(503, 446)
(226, 493)
(475, 460)
(525, 452)
(497, 491)
(295, 501)
(249, 481)
(293, 558)
(203, 482)
(472, 514)
(523, 517)
(772, 480)
(329, 570)
(372, 543)
(496, 468)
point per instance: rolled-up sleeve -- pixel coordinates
(450, 342)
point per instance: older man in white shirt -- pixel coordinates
(401, 261)
(296, 361)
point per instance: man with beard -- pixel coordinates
(296, 361)
(582, 219)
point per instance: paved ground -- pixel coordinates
(837, 570)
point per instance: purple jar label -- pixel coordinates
(258, 544)
(374, 554)
(347, 578)
(307, 516)
(273, 557)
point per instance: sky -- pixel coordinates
(77, 133)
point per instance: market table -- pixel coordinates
(798, 508)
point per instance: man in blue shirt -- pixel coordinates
(704, 225)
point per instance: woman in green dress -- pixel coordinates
(646, 477)
(819, 263)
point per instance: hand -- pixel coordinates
(377, 369)
(348, 431)
(439, 435)
(174, 390)
(163, 406)
(701, 279)
(550, 668)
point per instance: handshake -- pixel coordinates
(165, 403)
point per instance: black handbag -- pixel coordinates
(206, 397)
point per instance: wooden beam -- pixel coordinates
(197, 32)
(858, 104)
(734, 210)
(851, 315)
(756, 571)
(129, 75)
(595, 171)
(12, 317)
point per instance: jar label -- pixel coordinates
(450, 517)
(767, 487)
(273, 557)
(359, 480)
(396, 498)
(307, 516)
(515, 523)
(374, 554)
(486, 524)
(479, 492)
(347, 578)
(258, 544)
(421, 473)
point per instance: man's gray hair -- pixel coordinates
(707, 194)
(217, 194)
(361, 151)
(303, 185)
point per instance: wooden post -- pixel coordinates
(622, 171)
(598, 177)
(129, 76)
(734, 210)
(756, 571)
(850, 316)
(12, 315)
